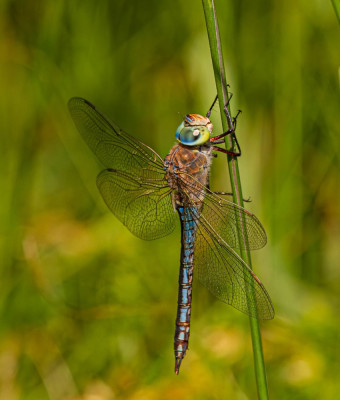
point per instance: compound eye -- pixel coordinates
(189, 136)
(192, 135)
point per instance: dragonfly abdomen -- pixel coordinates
(182, 332)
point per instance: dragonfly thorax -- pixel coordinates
(195, 130)
(188, 173)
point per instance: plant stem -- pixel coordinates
(336, 5)
(222, 91)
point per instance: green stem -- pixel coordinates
(336, 5)
(222, 91)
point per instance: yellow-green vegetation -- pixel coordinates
(88, 310)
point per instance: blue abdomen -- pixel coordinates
(188, 226)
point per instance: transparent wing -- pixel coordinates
(227, 276)
(143, 206)
(113, 147)
(134, 186)
(216, 264)
(224, 216)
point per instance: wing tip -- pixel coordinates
(259, 313)
(73, 101)
(268, 316)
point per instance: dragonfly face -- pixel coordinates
(195, 130)
(143, 191)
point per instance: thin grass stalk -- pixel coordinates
(336, 5)
(222, 91)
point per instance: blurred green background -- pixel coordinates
(87, 310)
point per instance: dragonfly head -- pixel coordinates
(195, 130)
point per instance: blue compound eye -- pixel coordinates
(194, 130)
(178, 131)
(189, 135)
(192, 135)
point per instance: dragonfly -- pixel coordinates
(145, 192)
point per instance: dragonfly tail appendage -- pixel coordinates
(178, 363)
(185, 286)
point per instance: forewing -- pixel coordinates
(143, 206)
(134, 185)
(113, 147)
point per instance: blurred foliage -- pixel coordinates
(88, 310)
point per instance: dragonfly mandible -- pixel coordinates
(145, 192)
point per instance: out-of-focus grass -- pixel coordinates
(86, 308)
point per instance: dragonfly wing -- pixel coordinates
(225, 216)
(226, 275)
(143, 206)
(113, 147)
(134, 186)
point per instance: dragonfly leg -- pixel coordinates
(248, 200)
(227, 113)
(214, 102)
(211, 107)
(216, 139)
(228, 101)
(219, 139)
(231, 153)
(231, 131)
(235, 119)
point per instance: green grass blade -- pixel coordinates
(336, 5)
(222, 91)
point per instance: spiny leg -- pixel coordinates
(235, 119)
(219, 139)
(248, 200)
(231, 130)
(214, 102)
(211, 107)
(230, 152)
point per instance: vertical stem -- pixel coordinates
(336, 5)
(222, 91)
